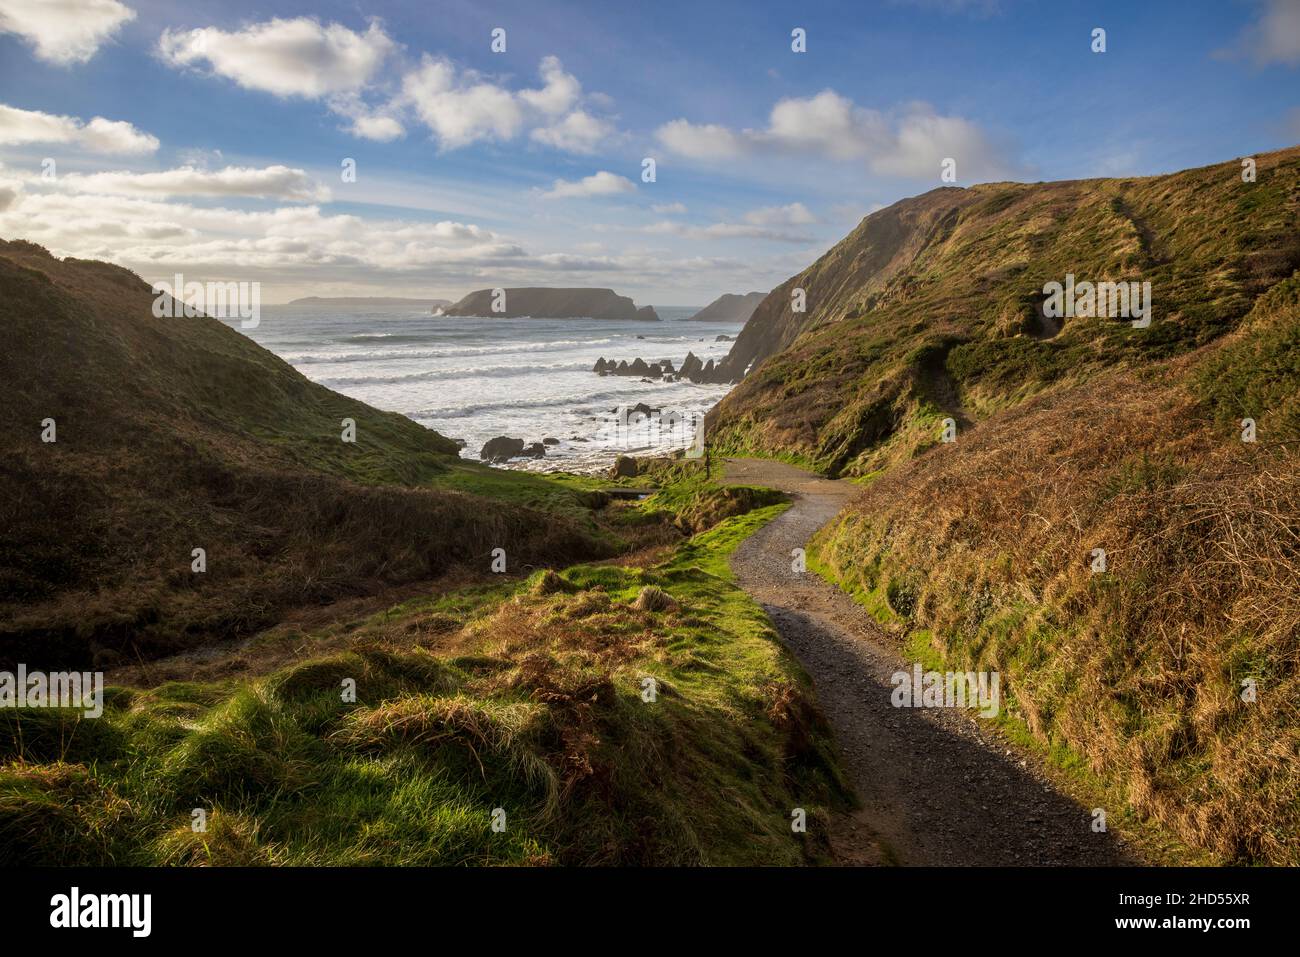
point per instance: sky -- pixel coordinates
(431, 148)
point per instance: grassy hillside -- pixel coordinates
(176, 434)
(526, 697)
(931, 308)
(1075, 437)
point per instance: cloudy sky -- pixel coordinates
(214, 138)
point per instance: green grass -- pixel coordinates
(537, 709)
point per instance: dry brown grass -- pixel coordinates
(1138, 670)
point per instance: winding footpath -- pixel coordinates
(935, 787)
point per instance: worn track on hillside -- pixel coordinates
(936, 788)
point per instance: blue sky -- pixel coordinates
(208, 138)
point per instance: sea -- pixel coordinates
(474, 379)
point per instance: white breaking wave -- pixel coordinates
(475, 379)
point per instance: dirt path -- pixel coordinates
(935, 787)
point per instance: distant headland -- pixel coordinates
(541, 303)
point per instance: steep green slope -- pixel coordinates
(932, 307)
(1099, 532)
(177, 434)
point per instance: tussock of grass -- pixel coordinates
(532, 703)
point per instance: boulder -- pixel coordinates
(691, 366)
(624, 467)
(501, 449)
(534, 451)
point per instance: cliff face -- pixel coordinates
(841, 283)
(730, 307)
(542, 303)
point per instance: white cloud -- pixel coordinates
(669, 209)
(301, 250)
(559, 93)
(1274, 37)
(21, 127)
(461, 110)
(367, 123)
(794, 214)
(465, 107)
(831, 126)
(704, 142)
(64, 31)
(579, 132)
(826, 123)
(381, 128)
(148, 233)
(271, 182)
(299, 57)
(602, 183)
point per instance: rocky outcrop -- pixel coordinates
(543, 303)
(501, 449)
(637, 367)
(693, 369)
(730, 307)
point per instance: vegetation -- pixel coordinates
(1170, 673)
(530, 699)
(177, 434)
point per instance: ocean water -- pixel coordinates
(475, 379)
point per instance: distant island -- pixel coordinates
(730, 307)
(368, 301)
(542, 303)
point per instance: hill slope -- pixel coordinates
(944, 292)
(1166, 667)
(176, 434)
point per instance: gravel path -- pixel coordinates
(935, 787)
